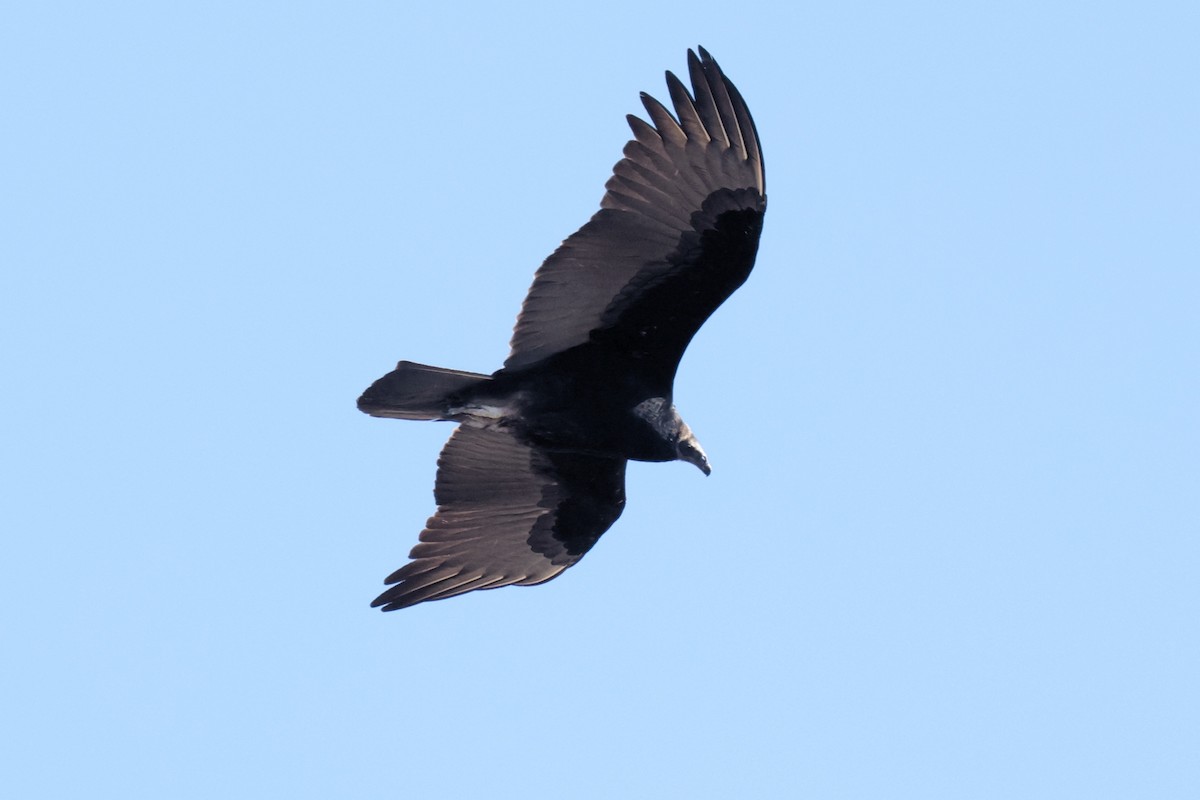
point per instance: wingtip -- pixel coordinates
(703, 59)
(389, 601)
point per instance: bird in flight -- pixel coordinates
(535, 472)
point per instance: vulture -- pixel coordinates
(535, 471)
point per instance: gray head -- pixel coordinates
(672, 432)
(689, 450)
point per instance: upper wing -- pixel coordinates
(676, 233)
(508, 513)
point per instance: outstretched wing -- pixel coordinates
(508, 513)
(676, 233)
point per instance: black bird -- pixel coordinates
(536, 472)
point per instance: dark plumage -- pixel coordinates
(536, 472)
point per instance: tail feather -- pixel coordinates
(415, 391)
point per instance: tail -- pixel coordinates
(415, 391)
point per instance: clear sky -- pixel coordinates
(951, 545)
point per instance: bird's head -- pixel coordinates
(689, 450)
(662, 416)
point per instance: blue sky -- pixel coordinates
(950, 546)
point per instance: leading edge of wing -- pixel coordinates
(508, 514)
(655, 197)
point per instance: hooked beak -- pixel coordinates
(689, 450)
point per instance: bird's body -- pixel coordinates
(535, 473)
(573, 404)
